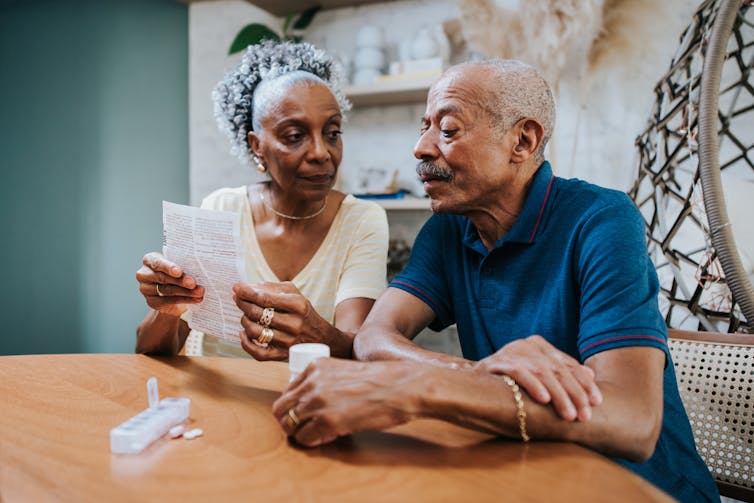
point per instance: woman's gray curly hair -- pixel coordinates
(234, 94)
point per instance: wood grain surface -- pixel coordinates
(56, 412)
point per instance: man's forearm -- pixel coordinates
(378, 342)
(354, 396)
(484, 402)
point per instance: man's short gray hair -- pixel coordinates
(520, 91)
(233, 96)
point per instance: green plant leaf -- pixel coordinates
(305, 19)
(252, 34)
(287, 24)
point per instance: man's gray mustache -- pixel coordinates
(430, 169)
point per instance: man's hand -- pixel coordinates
(335, 397)
(548, 375)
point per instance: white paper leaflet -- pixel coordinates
(206, 244)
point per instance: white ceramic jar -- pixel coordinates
(368, 57)
(424, 45)
(369, 36)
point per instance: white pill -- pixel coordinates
(176, 431)
(192, 434)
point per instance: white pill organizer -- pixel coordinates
(135, 434)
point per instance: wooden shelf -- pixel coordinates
(390, 92)
(282, 8)
(406, 203)
(285, 7)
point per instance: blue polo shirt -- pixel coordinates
(574, 269)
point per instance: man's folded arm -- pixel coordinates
(626, 424)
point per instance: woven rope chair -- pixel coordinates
(715, 374)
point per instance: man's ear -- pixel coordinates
(529, 137)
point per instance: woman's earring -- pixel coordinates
(260, 167)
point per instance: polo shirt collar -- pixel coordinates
(525, 228)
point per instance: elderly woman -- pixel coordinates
(314, 256)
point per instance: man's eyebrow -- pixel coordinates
(445, 110)
(449, 109)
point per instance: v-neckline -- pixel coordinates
(267, 273)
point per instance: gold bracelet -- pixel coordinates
(521, 414)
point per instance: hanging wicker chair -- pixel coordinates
(701, 124)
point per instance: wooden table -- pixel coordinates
(56, 412)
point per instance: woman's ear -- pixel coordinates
(529, 137)
(256, 155)
(253, 141)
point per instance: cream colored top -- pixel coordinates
(350, 262)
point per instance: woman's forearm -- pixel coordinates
(161, 334)
(341, 343)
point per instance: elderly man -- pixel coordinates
(550, 286)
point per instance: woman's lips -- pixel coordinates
(318, 178)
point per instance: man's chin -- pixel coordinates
(439, 204)
(436, 190)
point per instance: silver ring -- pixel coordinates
(267, 314)
(157, 286)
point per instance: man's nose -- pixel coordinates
(425, 147)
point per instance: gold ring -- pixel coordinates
(293, 420)
(266, 336)
(267, 314)
(157, 286)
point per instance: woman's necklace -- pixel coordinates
(291, 217)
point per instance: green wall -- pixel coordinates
(93, 135)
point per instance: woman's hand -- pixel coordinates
(335, 397)
(548, 375)
(165, 287)
(293, 320)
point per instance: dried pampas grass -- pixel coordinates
(632, 29)
(553, 35)
(488, 29)
(573, 37)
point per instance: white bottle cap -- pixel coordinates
(301, 355)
